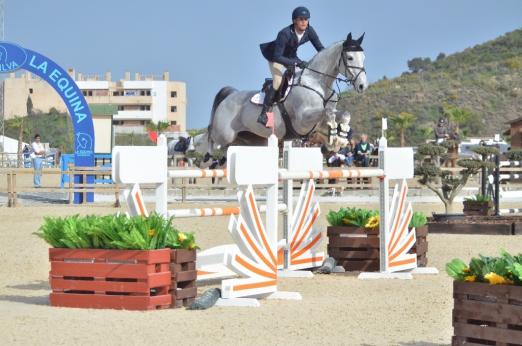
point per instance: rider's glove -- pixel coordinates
(302, 64)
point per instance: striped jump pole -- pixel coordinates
(510, 163)
(510, 176)
(198, 173)
(332, 174)
(510, 211)
(208, 212)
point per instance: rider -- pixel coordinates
(282, 53)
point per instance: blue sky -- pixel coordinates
(209, 44)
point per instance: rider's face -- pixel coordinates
(301, 23)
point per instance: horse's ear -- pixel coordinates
(360, 39)
(349, 37)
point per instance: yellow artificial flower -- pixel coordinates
(496, 279)
(151, 232)
(373, 222)
(192, 246)
(470, 278)
(347, 221)
(182, 236)
(466, 270)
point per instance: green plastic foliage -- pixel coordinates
(114, 232)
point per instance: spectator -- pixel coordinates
(347, 152)
(37, 156)
(334, 159)
(362, 151)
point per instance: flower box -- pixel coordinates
(110, 279)
(354, 248)
(486, 314)
(183, 272)
(478, 208)
(357, 249)
(421, 246)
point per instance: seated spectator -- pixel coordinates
(347, 152)
(362, 151)
(333, 159)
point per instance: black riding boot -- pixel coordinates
(267, 103)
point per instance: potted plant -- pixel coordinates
(419, 221)
(445, 184)
(119, 262)
(478, 205)
(353, 238)
(487, 297)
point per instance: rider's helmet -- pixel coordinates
(300, 12)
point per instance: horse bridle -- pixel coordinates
(347, 68)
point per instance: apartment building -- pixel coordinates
(139, 100)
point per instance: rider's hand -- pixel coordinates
(302, 64)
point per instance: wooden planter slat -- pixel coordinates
(101, 301)
(359, 265)
(132, 256)
(358, 249)
(370, 242)
(110, 279)
(119, 270)
(337, 230)
(476, 310)
(141, 286)
(350, 253)
(487, 314)
(184, 275)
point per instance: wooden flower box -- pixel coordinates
(357, 249)
(183, 268)
(485, 314)
(421, 246)
(354, 248)
(472, 208)
(110, 279)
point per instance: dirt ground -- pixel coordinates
(335, 309)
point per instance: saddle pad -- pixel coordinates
(259, 97)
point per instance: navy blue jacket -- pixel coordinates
(284, 49)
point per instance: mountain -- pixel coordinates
(485, 80)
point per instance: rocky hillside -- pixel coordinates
(485, 80)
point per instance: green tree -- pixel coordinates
(401, 123)
(419, 64)
(159, 127)
(459, 116)
(444, 184)
(427, 132)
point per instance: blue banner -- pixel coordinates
(14, 57)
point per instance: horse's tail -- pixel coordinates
(220, 96)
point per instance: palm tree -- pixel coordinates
(458, 116)
(427, 132)
(402, 122)
(158, 127)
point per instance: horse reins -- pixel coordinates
(335, 78)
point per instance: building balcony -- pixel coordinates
(120, 100)
(133, 115)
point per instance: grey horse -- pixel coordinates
(310, 100)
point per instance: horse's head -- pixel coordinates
(352, 63)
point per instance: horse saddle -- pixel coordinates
(281, 94)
